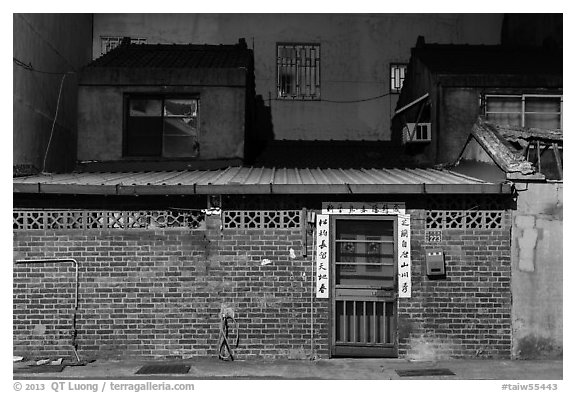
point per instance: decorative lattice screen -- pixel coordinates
(261, 219)
(100, 219)
(464, 219)
(465, 212)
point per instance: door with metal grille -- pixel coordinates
(364, 286)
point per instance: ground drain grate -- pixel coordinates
(424, 372)
(40, 369)
(164, 369)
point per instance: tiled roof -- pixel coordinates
(488, 59)
(175, 56)
(260, 180)
(335, 154)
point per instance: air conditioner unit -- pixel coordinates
(420, 133)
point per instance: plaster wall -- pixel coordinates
(537, 271)
(460, 108)
(100, 120)
(57, 43)
(356, 52)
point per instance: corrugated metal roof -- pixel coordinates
(259, 180)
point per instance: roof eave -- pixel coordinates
(192, 189)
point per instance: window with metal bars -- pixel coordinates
(526, 110)
(397, 75)
(109, 43)
(298, 71)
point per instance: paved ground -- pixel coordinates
(305, 369)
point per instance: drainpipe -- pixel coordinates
(75, 263)
(312, 279)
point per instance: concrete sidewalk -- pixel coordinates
(212, 368)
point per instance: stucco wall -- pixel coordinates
(537, 271)
(356, 51)
(100, 120)
(55, 43)
(460, 108)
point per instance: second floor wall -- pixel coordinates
(341, 89)
(47, 48)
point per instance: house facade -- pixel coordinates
(151, 106)
(171, 223)
(495, 113)
(531, 159)
(313, 72)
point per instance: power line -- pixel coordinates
(337, 101)
(53, 123)
(29, 67)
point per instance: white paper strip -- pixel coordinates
(404, 258)
(363, 208)
(322, 255)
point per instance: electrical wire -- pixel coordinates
(337, 101)
(360, 100)
(53, 123)
(29, 67)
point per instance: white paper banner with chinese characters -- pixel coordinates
(404, 272)
(380, 208)
(363, 208)
(322, 255)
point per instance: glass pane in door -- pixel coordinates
(365, 253)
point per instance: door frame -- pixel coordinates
(390, 351)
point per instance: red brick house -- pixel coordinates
(318, 250)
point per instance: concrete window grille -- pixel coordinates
(465, 212)
(100, 219)
(261, 219)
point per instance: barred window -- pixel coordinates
(109, 43)
(397, 75)
(298, 71)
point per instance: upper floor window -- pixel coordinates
(109, 43)
(298, 71)
(526, 110)
(159, 126)
(397, 75)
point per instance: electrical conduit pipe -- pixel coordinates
(75, 263)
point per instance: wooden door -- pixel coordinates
(364, 286)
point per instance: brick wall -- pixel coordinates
(466, 314)
(158, 293)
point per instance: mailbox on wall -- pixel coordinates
(435, 263)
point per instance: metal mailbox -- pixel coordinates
(435, 263)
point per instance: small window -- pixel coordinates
(298, 71)
(109, 43)
(397, 75)
(532, 111)
(161, 127)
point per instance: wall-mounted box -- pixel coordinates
(435, 263)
